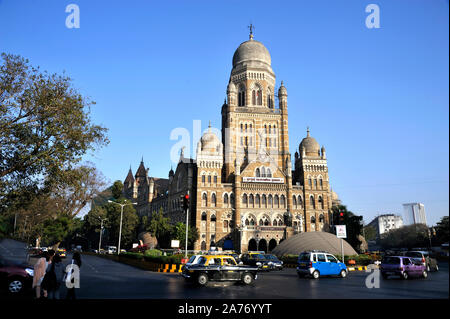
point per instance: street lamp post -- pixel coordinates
(101, 231)
(121, 217)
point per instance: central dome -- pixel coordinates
(251, 51)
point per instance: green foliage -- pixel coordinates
(153, 252)
(406, 237)
(117, 189)
(370, 233)
(45, 127)
(5, 225)
(160, 227)
(442, 231)
(179, 233)
(55, 230)
(130, 221)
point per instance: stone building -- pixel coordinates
(244, 193)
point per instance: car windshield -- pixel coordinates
(391, 261)
(201, 261)
(303, 257)
(191, 260)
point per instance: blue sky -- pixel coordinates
(376, 98)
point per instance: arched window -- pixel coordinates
(282, 201)
(213, 200)
(266, 222)
(204, 200)
(269, 173)
(259, 96)
(263, 172)
(254, 97)
(275, 223)
(269, 99)
(209, 179)
(242, 128)
(257, 201)
(241, 96)
(300, 201)
(203, 179)
(310, 182)
(312, 202)
(257, 172)
(264, 201)
(276, 201)
(321, 204)
(251, 200)
(252, 222)
(261, 223)
(247, 222)
(321, 183)
(315, 183)
(321, 219)
(245, 200)
(270, 201)
(213, 218)
(294, 201)
(203, 216)
(313, 220)
(225, 200)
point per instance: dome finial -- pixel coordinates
(281, 82)
(251, 27)
(307, 131)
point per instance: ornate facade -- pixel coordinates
(244, 193)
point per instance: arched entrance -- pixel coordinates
(272, 244)
(252, 246)
(203, 245)
(262, 245)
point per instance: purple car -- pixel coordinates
(404, 267)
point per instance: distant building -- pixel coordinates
(386, 222)
(414, 213)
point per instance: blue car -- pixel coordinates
(320, 263)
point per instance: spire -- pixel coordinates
(251, 27)
(142, 160)
(209, 126)
(281, 82)
(307, 131)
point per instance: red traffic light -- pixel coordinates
(186, 196)
(341, 214)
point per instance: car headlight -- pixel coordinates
(281, 262)
(29, 271)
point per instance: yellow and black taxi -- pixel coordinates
(219, 268)
(256, 259)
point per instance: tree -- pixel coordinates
(179, 232)
(353, 224)
(370, 233)
(130, 221)
(55, 230)
(442, 230)
(45, 128)
(160, 227)
(117, 189)
(410, 236)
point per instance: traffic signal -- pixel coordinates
(341, 216)
(186, 202)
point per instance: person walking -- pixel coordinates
(76, 259)
(50, 255)
(55, 274)
(39, 272)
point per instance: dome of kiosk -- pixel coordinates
(312, 148)
(252, 53)
(313, 241)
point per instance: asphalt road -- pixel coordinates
(105, 279)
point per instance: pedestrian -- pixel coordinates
(56, 273)
(39, 272)
(76, 259)
(50, 255)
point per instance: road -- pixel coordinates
(105, 279)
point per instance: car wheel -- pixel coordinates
(247, 279)
(343, 273)
(15, 285)
(316, 274)
(202, 279)
(425, 274)
(405, 275)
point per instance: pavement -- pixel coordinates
(106, 279)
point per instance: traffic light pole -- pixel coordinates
(187, 229)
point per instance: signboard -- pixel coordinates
(262, 180)
(175, 244)
(341, 231)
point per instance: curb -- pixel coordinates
(353, 268)
(170, 268)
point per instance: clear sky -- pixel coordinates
(377, 99)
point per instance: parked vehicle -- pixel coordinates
(274, 262)
(14, 277)
(320, 263)
(402, 266)
(424, 258)
(111, 249)
(219, 268)
(256, 259)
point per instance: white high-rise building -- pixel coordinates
(414, 213)
(386, 222)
